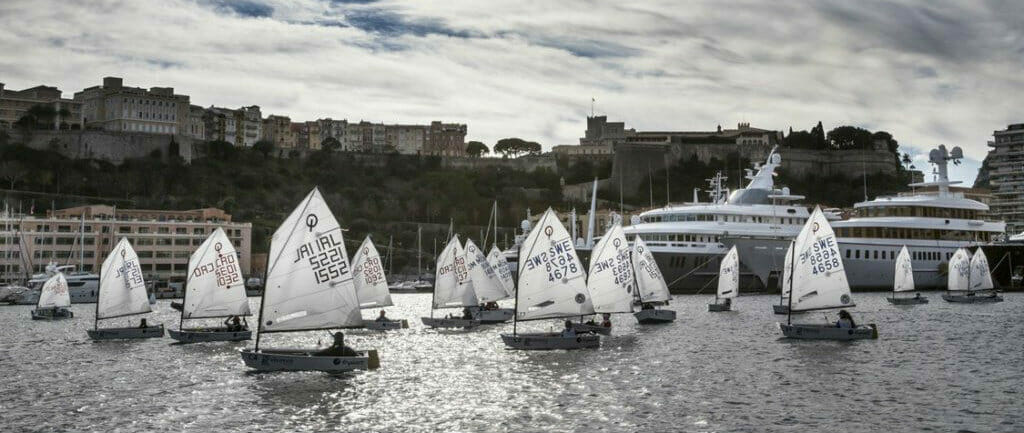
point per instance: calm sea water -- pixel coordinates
(936, 367)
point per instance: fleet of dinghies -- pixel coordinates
(310, 285)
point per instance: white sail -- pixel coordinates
(610, 279)
(309, 280)
(122, 290)
(981, 277)
(486, 285)
(54, 293)
(552, 282)
(500, 266)
(959, 273)
(819, 279)
(784, 277)
(368, 277)
(903, 281)
(729, 275)
(451, 279)
(649, 280)
(215, 285)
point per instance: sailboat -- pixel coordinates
(487, 287)
(903, 280)
(214, 289)
(122, 293)
(968, 278)
(651, 287)
(372, 285)
(728, 281)
(308, 287)
(552, 285)
(500, 266)
(610, 278)
(785, 283)
(818, 282)
(452, 288)
(54, 300)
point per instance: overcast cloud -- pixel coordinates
(929, 72)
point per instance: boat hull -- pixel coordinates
(202, 336)
(299, 360)
(549, 341)
(717, 308)
(582, 328)
(964, 299)
(655, 316)
(438, 322)
(828, 332)
(130, 333)
(907, 301)
(500, 315)
(386, 325)
(52, 314)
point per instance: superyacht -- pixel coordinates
(81, 285)
(688, 241)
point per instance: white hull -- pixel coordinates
(385, 325)
(52, 314)
(581, 328)
(298, 360)
(79, 295)
(976, 299)
(828, 332)
(126, 333)
(500, 315)
(202, 336)
(655, 316)
(437, 322)
(548, 341)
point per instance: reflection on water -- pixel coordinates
(938, 366)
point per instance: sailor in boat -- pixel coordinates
(143, 324)
(568, 331)
(234, 324)
(606, 320)
(382, 317)
(845, 320)
(467, 314)
(728, 303)
(338, 348)
(647, 306)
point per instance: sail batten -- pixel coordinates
(309, 283)
(552, 282)
(215, 286)
(610, 276)
(122, 290)
(368, 276)
(729, 275)
(819, 277)
(54, 293)
(903, 278)
(650, 282)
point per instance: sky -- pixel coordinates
(930, 72)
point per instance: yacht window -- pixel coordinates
(857, 254)
(876, 254)
(847, 253)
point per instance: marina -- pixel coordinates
(704, 372)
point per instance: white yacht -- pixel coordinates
(688, 240)
(83, 286)
(932, 225)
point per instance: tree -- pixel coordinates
(515, 146)
(220, 149)
(849, 137)
(266, 147)
(476, 149)
(330, 144)
(13, 171)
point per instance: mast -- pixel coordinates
(81, 242)
(419, 251)
(792, 264)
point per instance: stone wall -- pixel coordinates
(104, 145)
(633, 161)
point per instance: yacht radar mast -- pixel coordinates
(718, 192)
(940, 157)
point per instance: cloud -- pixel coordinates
(929, 72)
